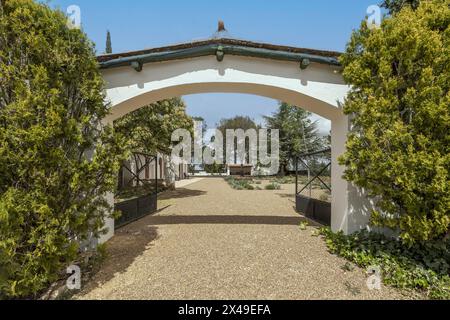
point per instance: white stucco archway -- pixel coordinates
(134, 80)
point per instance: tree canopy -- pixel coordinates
(399, 147)
(395, 6)
(238, 122)
(298, 133)
(149, 129)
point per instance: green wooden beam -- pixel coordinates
(219, 51)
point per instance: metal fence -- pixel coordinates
(315, 168)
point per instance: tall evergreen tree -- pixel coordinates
(298, 133)
(108, 43)
(398, 149)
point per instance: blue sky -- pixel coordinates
(138, 24)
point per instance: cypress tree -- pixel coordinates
(108, 43)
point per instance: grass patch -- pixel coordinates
(423, 267)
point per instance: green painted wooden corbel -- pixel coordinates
(220, 54)
(304, 63)
(137, 65)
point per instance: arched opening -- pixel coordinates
(318, 89)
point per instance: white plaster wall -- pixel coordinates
(317, 88)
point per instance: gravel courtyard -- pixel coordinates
(209, 241)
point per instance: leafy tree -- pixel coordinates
(298, 133)
(57, 161)
(108, 43)
(204, 124)
(239, 122)
(398, 149)
(149, 129)
(395, 6)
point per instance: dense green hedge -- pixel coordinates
(51, 183)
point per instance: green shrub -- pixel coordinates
(240, 184)
(304, 225)
(424, 267)
(285, 180)
(399, 147)
(51, 183)
(273, 186)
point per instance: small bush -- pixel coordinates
(304, 225)
(273, 186)
(423, 267)
(240, 184)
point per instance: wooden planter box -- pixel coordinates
(314, 209)
(135, 209)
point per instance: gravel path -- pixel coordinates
(209, 241)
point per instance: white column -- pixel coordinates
(350, 209)
(339, 202)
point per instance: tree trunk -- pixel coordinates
(283, 170)
(169, 173)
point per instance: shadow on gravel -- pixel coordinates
(225, 219)
(286, 195)
(180, 193)
(128, 243)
